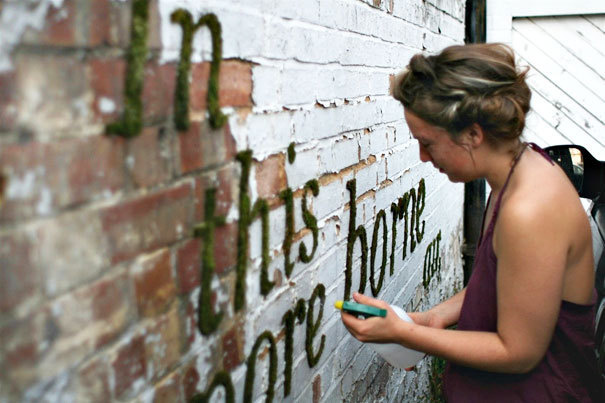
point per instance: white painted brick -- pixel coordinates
(305, 167)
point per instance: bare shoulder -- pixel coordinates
(542, 202)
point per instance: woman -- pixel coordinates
(525, 320)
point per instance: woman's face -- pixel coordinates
(436, 146)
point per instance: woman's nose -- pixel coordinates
(424, 155)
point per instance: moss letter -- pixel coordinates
(132, 119)
(310, 222)
(354, 233)
(380, 217)
(251, 363)
(287, 197)
(208, 321)
(313, 326)
(288, 320)
(181, 107)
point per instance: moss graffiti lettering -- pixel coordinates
(409, 208)
(432, 261)
(132, 119)
(208, 321)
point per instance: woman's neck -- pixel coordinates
(499, 161)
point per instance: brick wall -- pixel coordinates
(116, 250)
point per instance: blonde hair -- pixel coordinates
(466, 84)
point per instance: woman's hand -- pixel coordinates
(375, 330)
(429, 319)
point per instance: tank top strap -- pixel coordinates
(510, 174)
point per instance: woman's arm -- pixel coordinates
(442, 315)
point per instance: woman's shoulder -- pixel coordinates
(541, 194)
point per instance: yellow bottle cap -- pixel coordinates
(338, 305)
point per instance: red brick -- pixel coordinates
(53, 93)
(109, 305)
(225, 241)
(163, 343)
(190, 147)
(188, 264)
(21, 340)
(60, 27)
(91, 381)
(317, 389)
(19, 276)
(202, 147)
(60, 174)
(100, 23)
(148, 158)
(235, 84)
(232, 351)
(271, 176)
(190, 380)
(129, 364)
(148, 222)
(8, 107)
(158, 90)
(106, 78)
(168, 390)
(153, 284)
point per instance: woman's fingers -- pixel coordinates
(363, 299)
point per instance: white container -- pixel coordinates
(395, 354)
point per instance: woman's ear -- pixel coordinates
(473, 135)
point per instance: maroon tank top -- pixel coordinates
(567, 373)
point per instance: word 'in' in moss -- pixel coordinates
(251, 363)
(189, 28)
(208, 321)
(223, 379)
(132, 119)
(432, 261)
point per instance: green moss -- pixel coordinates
(245, 159)
(395, 213)
(412, 222)
(223, 379)
(261, 207)
(420, 203)
(380, 218)
(181, 107)
(208, 321)
(432, 261)
(310, 222)
(313, 325)
(287, 197)
(288, 320)
(353, 235)
(131, 122)
(291, 153)
(251, 363)
(403, 204)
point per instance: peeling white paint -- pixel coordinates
(44, 206)
(15, 19)
(107, 105)
(21, 188)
